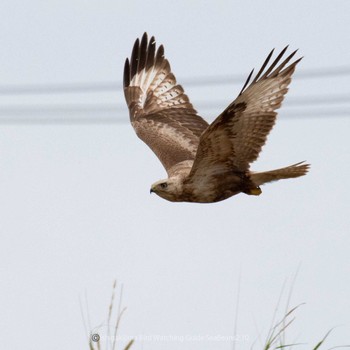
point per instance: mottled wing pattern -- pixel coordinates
(236, 137)
(160, 111)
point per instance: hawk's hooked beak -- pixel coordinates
(151, 190)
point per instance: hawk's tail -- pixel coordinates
(295, 170)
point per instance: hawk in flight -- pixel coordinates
(205, 163)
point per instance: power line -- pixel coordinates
(317, 100)
(63, 121)
(301, 101)
(93, 87)
(22, 118)
(62, 109)
(240, 78)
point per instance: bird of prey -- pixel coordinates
(205, 163)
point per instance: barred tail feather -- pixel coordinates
(295, 170)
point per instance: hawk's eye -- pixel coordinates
(164, 185)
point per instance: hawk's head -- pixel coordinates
(168, 189)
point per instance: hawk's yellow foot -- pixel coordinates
(255, 191)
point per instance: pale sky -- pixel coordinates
(75, 207)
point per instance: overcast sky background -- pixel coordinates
(75, 207)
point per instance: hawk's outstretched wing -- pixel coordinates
(236, 137)
(160, 111)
